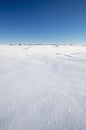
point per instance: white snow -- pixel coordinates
(42, 87)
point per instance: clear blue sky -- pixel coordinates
(42, 21)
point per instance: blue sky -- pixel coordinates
(23, 21)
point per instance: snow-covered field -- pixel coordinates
(42, 87)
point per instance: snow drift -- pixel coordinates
(42, 87)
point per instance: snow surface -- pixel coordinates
(42, 87)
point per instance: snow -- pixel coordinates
(42, 87)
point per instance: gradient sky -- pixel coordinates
(23, 21)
